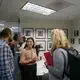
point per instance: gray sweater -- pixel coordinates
(56, 72)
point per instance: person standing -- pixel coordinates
(6, 56)
(59, 41)
(28, 59)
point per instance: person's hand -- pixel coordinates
(33, 60)
(39, 58)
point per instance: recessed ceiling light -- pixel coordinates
(37, 9)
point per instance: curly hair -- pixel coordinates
(59, 39)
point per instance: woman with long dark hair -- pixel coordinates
(28, 59)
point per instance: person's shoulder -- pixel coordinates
(60, 50)
(5, 45)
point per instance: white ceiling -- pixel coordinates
(10, 10)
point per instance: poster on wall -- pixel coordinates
(79, 40)
(76, 33)
(66, 32)
(40, 33)
(72, 40)
(49, 33)
(28, 32)
(42, 43)
(49, 45)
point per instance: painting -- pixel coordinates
(76, 33)
(40, 33)
(66, 32)
(28, 32)
(42, 43)
(49, 45)
(79, 40)
(49, 33)
(72, 41)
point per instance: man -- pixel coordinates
(6, 56)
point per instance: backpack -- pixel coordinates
(73, 66)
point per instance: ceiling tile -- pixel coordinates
(58, 5)
(72, 10)
(76, 2)
(54, 16)
(60, 15)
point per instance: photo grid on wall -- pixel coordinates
(42, 36)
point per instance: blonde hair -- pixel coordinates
(59, 39)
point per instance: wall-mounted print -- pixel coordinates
(76, 33)
(79, 40)
(49, 33)
(40, 33)
(66, 32)
(42, 43)
(28, 32)
(72, 41)
(49, 45)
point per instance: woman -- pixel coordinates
(59, 41)
(28, 59)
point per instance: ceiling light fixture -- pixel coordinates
(1, 24)
(37, 9)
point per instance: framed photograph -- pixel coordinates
(49, 33)
(40, 33)
(72, 41)
(76, 33)
(42, 43)
(49, 44)
(28, 32)
(66, 32)
(79, 40)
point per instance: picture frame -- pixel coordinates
(42, 43)
(79, 40)
(66, 32)
(40, 33)
(49, 33)
(49, 45)
(72, 40)
(28, 32)
(76, 33)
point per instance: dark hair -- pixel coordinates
(37, 47)
(6, 32)
(15, 37)
(23, 38)
(27, 40)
